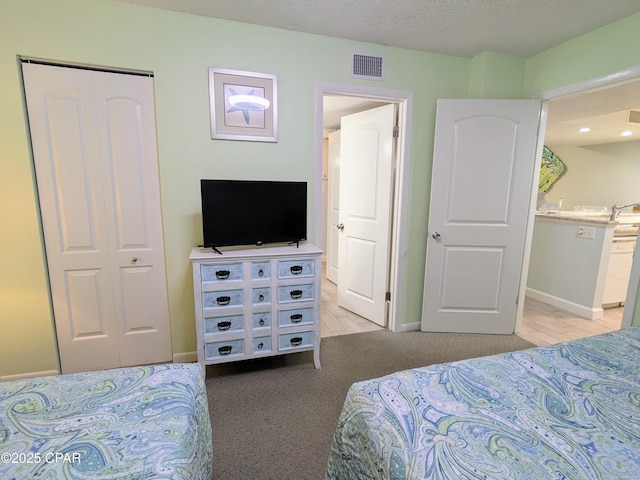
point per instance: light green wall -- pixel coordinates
(494, 75)
(598, 175)
(179, 49)
(567, 267)
(609, 49)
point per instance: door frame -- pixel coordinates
(404, 100)
(584, 86)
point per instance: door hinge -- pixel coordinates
(396, 131)
(387, 297)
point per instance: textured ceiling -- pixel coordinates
(605, 112)
(452, 27)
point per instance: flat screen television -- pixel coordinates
(253, 212)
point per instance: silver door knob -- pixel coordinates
(435, 235)
(340, 226)
(134, 260)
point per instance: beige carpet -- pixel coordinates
(273, 419)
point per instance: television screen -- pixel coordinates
(249, 212)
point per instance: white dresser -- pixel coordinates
(256, 302)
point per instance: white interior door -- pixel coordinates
(94, 146)
(366, 179)
(483, 166)
(333, 205)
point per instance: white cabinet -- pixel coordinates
(618, 271)
(256, 302)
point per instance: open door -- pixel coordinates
(483, 168)
(333, 204)
(366, 181)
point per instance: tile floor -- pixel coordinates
(542, 324)
(336, 320)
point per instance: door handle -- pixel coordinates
(436, 235)
(340, 226)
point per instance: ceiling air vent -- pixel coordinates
(634, 116)
(367, 67)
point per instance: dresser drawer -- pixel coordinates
(262, 320)
(261, 296)
(222, 350)
(231, 323)
(295, 293)
(223, 298)
(262, 345)
(260, 270)
(295, 268)
(221, 273)
(299, 316)
(288, 341)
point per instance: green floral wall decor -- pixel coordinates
(551, 170)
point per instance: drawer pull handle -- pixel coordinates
(222, 274)
(226, 350)
(261, 322)
(295, 341)
(223, 300)
(261, 273)
(296, 269)
(224, 325)
(296, 294)
(260, 346)
(296, 317)
(261, 298)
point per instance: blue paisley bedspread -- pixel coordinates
(147, 422)
(566, 411)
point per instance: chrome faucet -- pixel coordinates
(615, 210)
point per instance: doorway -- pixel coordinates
(404, 102)
(593, 157)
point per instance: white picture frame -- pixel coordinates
(244, 105)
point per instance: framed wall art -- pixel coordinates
(244, 105)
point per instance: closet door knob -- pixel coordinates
(340, 226)
(435, 235)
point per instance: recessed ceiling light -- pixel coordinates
(585, 129)
(626, 133)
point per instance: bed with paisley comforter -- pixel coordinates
(148, 422)
(566, 411)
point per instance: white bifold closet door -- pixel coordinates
(93, 136)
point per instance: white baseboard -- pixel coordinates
(410, 327)
(188, 357)
(583, 311)
(21, 376)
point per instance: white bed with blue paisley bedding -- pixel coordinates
(147, 422)
(566, 411)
